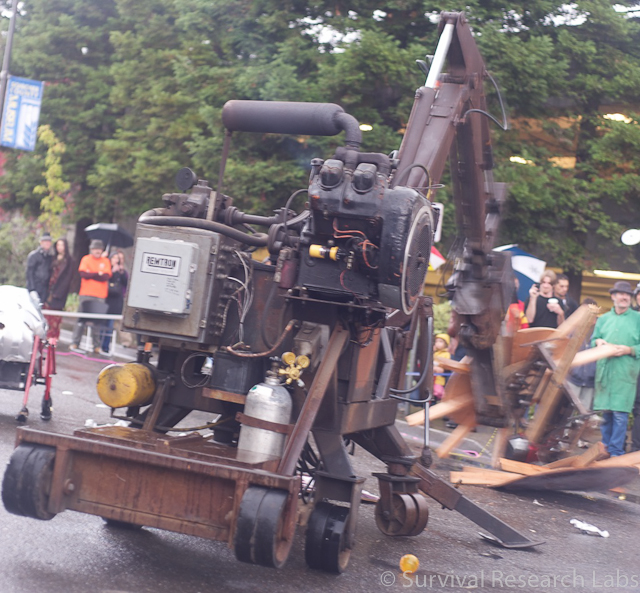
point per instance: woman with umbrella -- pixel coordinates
(62, 269)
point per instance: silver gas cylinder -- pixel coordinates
(268, 401)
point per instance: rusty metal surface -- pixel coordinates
(196, 459)
(179, 484)
(305, 421)
(263, 424)
(501, 533)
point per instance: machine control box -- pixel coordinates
(179, 283)
(163, 276)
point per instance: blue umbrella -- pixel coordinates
(528, 268)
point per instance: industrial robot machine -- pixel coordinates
(297, 356)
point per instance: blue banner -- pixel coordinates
(21, 113)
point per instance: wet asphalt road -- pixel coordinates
(76, 553)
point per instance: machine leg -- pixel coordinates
(27, 481)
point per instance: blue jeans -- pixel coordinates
(614, 431)
(107, 332)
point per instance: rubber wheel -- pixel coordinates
(259, 528)
(27, 481)
(325, 545)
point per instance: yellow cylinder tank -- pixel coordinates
(121, 386)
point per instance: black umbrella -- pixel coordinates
(110, 233)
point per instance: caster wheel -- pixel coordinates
(27, 482)
(408, 516)
(326, 541)
(259, 537)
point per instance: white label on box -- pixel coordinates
(156, 263)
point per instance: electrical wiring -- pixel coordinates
(187, 383)
(279, 341)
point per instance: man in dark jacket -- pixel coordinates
(39, 268)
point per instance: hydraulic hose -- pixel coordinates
(151, 217)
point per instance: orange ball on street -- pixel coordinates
(409, 563)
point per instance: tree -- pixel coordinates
(65, 43)
(18, 237)
(52, 203)
(136, 88)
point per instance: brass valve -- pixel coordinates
(295, 365)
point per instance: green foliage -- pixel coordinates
(52, 203)
(441, 315)
(18, 237)
(135, 90)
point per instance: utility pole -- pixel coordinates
(6, 59)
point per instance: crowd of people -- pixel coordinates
(610, 386)
(50, 273)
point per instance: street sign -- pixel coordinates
(21, 113)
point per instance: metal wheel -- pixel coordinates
(408, 515)
(423, 514)
(260, 527)
(27, 482)
(326, 540)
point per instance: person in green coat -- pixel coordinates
(616, 377)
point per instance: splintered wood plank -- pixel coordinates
(554, 389)
(583, 315)
(564, 462)
(499, 446)
(456, 437)
(444, 408)
(453, 365)
(620, 460)
(487, 477)
(594, 354)
(525, 338)
(596, 452)
(517, 467)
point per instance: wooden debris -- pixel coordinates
(594, 458)
(453, 365)
(456, 437)
(499, 446)
(487, 477)
(596, 452)
(594, 354)
(620, 461)
(518, 467)
(445, 408)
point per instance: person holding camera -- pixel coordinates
(542, 308)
